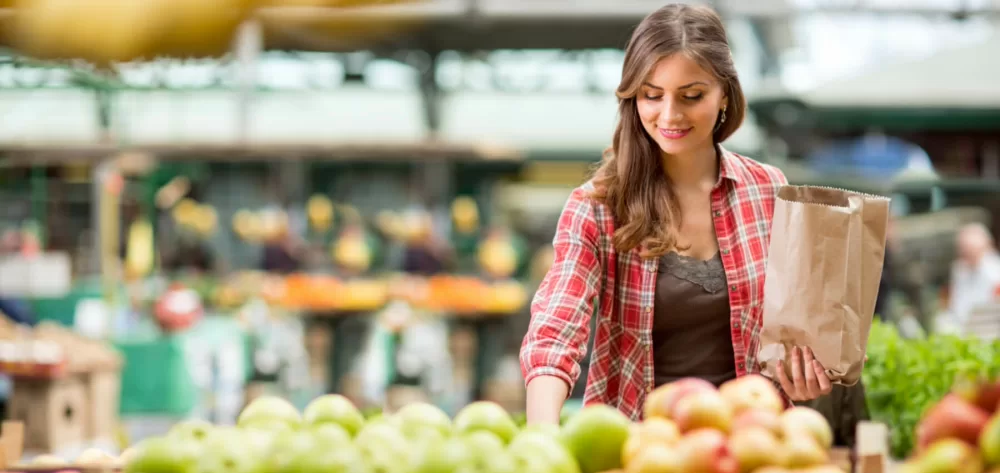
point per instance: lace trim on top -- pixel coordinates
(709, 274)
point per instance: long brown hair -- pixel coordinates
(630, 179)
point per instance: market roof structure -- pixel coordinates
(952, 89)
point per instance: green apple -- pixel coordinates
(595, 436)
(536, 444)
(331, 435)
(165, 455)
(225, 451)
(450, 455)
(270, 411)
(384, 448)
(334, 409)
(488, 416)
(194, 429)
(415, 419)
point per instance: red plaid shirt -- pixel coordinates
(587, 267)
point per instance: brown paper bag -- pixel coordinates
(823, 271)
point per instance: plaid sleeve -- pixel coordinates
(557, 336)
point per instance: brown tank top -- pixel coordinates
(691, 324)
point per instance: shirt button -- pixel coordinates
(732, 288)
(736, 325)
(725, 251)
(741, 365)
(652, 269)
(718, 213)
(648, 309)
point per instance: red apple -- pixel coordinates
(704, 410)
(752, 391)
(952, 417)
(661, 401)
(984, 394)
(705, 451)
(756, 447)
(758, 418)
(803, 421)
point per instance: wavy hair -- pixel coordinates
(630, 178)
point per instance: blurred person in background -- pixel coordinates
(669, 237)
(975, 274)
(282, 255)
(14, 309)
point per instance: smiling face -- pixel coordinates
(679, 104)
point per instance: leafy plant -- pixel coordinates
(904, 377)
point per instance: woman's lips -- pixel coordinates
(674, 133)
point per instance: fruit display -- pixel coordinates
(50, 350)
(741, 427)
(961, 432)
(329, 293)
(905, 377)
(331, 435)
(694, 428)
(462, 295)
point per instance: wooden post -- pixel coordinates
(11, 444)
(872, 448)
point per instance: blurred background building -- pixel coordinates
(361, 198)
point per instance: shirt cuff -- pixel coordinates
(550, 371)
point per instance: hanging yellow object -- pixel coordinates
(351, 252)
(205, 220)
(185, 213)
(416, 226)
(273, 224)
(247, 225)
(497, 257)
(140, 251)
(199, 28)
(319, 209)
(465, 214)
(390, 224)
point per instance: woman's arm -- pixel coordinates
(545, 397)
(557, 336)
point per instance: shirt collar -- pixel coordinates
(727, 165)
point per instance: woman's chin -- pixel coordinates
(674, 147)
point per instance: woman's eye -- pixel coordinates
(693, 97)
(652, 97)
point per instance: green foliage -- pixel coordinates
(904, 377)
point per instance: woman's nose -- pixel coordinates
(669, 110)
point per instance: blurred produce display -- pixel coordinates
(50, 350)
(691, 427)
(961, 431)
(904, 378)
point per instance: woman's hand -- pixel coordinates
(809, 380)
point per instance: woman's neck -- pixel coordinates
(695, 169)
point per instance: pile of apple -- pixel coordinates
(690, 426)
(331, 436)
(961, 433)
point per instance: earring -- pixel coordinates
(722, 119)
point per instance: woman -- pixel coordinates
(668, 241)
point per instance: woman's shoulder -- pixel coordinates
(582, 207)
(582, 200)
